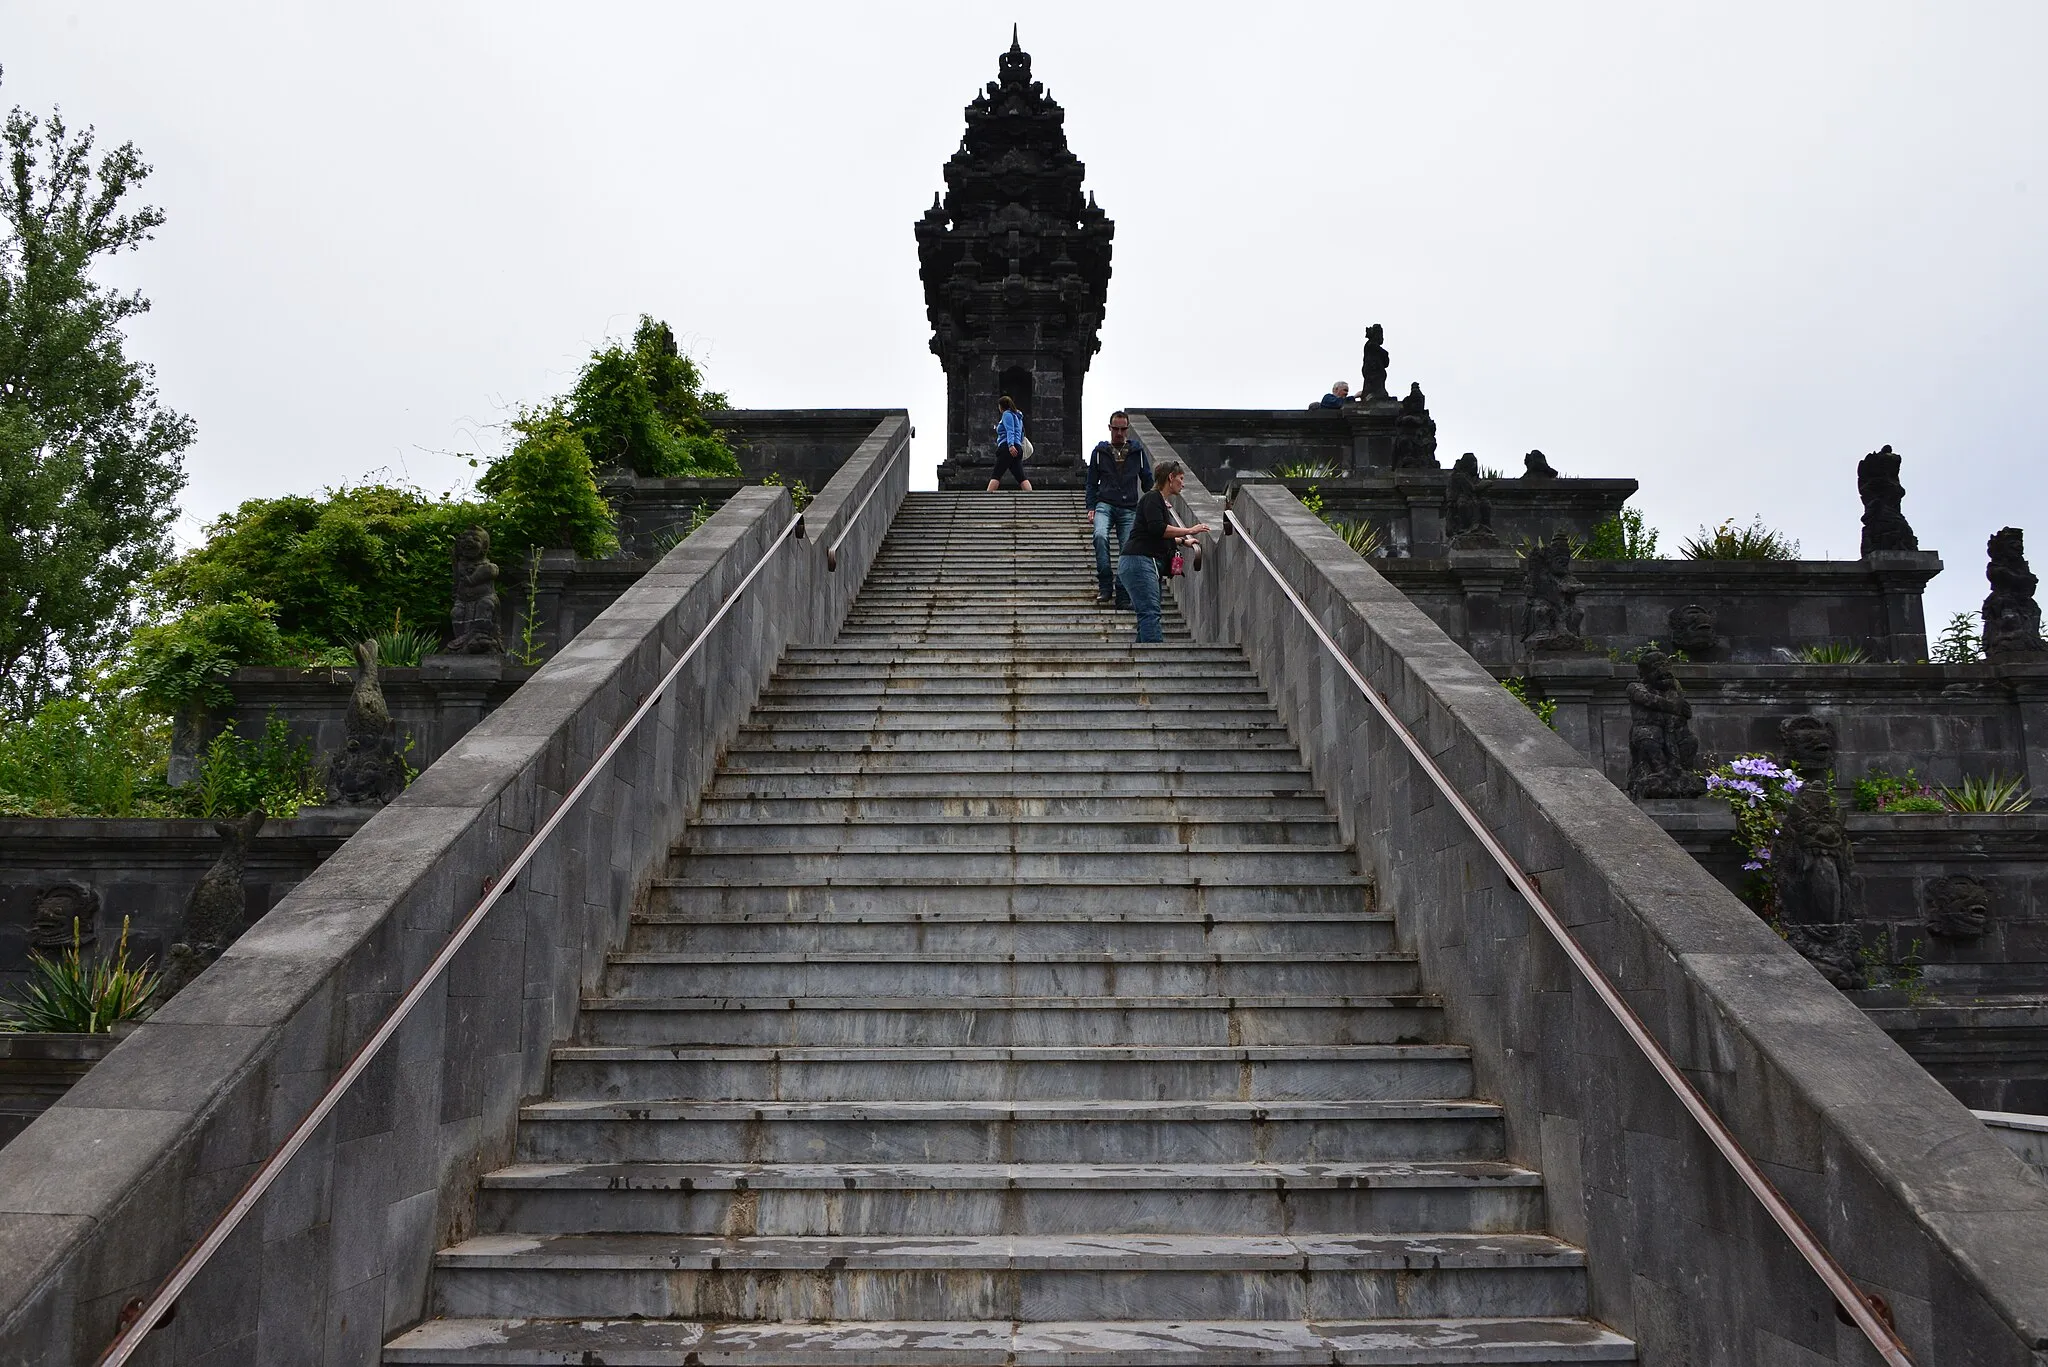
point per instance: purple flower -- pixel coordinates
(1752, 866)
(1756, 766)
(1792, 784)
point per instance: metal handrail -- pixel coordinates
(160, 1303)
(832, 551)
(1853, 1301)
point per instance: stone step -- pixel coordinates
(1244, 864)
(1058, 1130)
(942, 1200)
(1406, 1342)
(997, 751)
(1194, 808)
(1372, 1072)
(939, 978)
(1000, 936)
(846, 776)
(891, 901)
(1009, 1277)
(781, 1022)
(1210, 660)
(995, 711)
(1083, 693)
(1182, 833)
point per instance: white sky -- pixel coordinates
(1724, 249)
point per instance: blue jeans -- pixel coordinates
(1139, 575)
(1107, 517)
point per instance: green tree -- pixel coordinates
(89, 461)
(543, 492)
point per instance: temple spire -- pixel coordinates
(1015, 46)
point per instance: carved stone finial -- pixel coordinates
(1536, 465)
(475, 615)
(1691, 629)
(368, 771)
(1877, 483)
(1414, 441)
(1551, 615)
(2012, 619)
(1958, 908)
(1811, 866)
(217, 910)
(59, 908)
(1807, 743)
(1663, 753)
(1374, 365)
(1468, 518)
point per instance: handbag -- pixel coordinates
(1024, 446)
(1175, 569)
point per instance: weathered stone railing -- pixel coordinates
(102, 1194)
(1896, 1178)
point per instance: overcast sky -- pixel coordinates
(1722, 249)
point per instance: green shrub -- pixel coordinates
(1621, 537)
(1730, 542)
(1959, 644)
(1305, 469)
(275, 772)
(645, 409)
(800, 494)
(70, 995)
(98, 755)
(1883, 791)
(184, 663)
(544, 494)
(403, 648)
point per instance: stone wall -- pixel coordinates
(1760, 606)
(1407, 508)
(106, 1189)
(1891, 1172)
(144, 871)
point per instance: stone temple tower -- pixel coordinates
(1015, 264)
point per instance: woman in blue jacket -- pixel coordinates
(1009, 447)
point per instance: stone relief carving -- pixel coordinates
(2012, 619)
(1691, 629)
(1374, 365)
(1807, 743)
(1551, 615)
(58, 908)
(1468, 518)
(475, 615)
(1958, 908)
(1811, 867)
(1663, 753)
(1877, 482)
(1414, 440)
(216, 911)
(368, 771)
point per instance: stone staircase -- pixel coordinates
(1013, 999)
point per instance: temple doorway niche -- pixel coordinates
(1016, 382)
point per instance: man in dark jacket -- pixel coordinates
(1119, 474)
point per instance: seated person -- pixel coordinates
(1339, 395)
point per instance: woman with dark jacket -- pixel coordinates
(1149, 548)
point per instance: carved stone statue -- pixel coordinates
(1958, 908)
(1414, 443)
(368, 770)
(58, 908)
(1691, 629)
(1663, 753)
(1468, 519)
(1536, 465)
(1551, 615)
(1877, 482)
(1808, 744)
(1374, 364)
(1811, 865)
(475, 617)
(2012, 619)
(217, 910)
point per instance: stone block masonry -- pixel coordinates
(102, 1193)
(1900, 1181)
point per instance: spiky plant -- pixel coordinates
(70, 995)
(1832, 653)
(403, 648)
(1362, 537)
(1305, 469)
(1987, 795)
